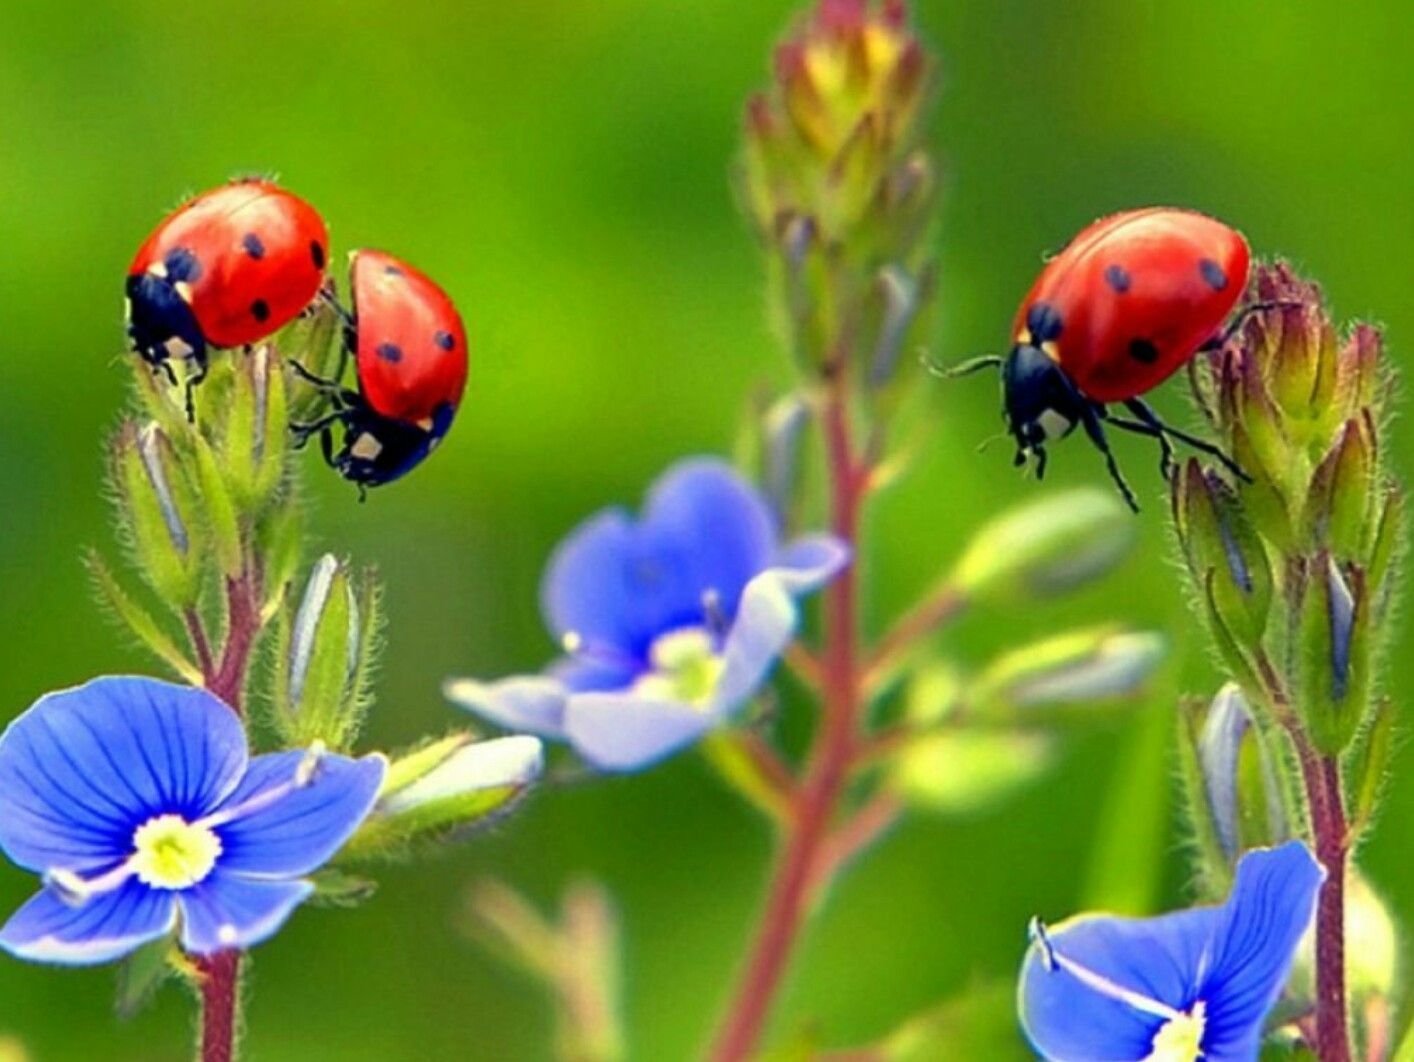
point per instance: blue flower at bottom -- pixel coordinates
(138, 802)
(1188, 986)
(670, 622)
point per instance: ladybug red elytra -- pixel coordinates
(225, 269)
(1128, 302)
(410, 355)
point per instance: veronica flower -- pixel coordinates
(1178, 988)
(138, 802)
(669, 621)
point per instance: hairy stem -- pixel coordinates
(828, 770)
(220, 1005)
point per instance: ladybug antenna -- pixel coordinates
(966, 368)
(986, 443)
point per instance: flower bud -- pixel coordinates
(257, 419)
(159, 510)
(1076, 668)
(314, 339)
(319, 693)
(1358, 376)
(1340, 503)
(1223, 553)
(961, 771)
(1332, 656)
(783, 430)
(445, 788)
(1045, 547)
(1239, 780)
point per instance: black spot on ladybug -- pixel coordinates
(182, 265)
(444, 340)
(1213, 273)
(390, 352)
(260, 310)
(1043, 321)
(393, 271)
(1117, 277)
(316, 254)
(253, 247)
(1143, 350)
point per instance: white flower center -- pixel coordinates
(1180, 1039)
(171, 853)
(686, 668)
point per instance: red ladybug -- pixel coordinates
(409, 349)
(1126, 304)
(225, 269)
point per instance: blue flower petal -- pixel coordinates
(768, 615)
(229, 911)
(1069, 1021)
(1271, 906)
(580, 674)
(622, 732)
(528, 703)
(716, 527)
(106, 927)
(83, 768)
(300, 831)
(1234, 958)
(617, 584)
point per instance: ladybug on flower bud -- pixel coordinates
(409, 349)
(1128, 302)
(226, 269)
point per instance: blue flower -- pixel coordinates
(1178, 988)
(669, 622)
(138, 802)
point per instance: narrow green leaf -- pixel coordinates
(1375, 753)
(336, 888)
(141, 974)
(220, 511)
(139, 621)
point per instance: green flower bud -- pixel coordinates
(1046, 547)
(1079, 667)
(159, 509)
(1223, 553)
(318, 695)
(961, 771)
(1333, 651)
(257, 419)
(1242, 789)
(441, 790)
(1340, 505)
(315, 340)
(1358, 377)
(783, 435)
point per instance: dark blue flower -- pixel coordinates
(138, 802)
(1178, 988)
(670, 622)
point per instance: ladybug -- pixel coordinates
(225, 269)
(1128, 302)
(409, 350)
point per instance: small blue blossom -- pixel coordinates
(670, 622)
(139, 804)
(1178, 988)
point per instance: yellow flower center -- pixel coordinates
(171, 853)
(1180, 1039)
(685, 668)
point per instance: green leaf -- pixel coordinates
(336, 888)
(1375, 755)
(726, 751)
(141, 974)
(139, 621)
(978, 1025)
(1215, 874)
(220, 511)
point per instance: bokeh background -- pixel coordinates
(561, 167)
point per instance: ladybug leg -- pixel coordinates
(1152, 423)
(189, 391)
(306, 431)
(1221, 339)
(1090, 417)
(966, 368)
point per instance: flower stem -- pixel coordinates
(220, 1011)
(1322, 776)
(831, 758)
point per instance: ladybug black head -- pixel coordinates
(1040, 401)
(379, 449)
(161, 324)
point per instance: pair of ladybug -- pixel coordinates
(1128, 302)
(238, 263)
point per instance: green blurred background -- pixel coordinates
(561, 167)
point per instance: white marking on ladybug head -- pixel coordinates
(158, 269)
(366, 447)
(1054, 424)
(425, 423)
(183, 290)
(177, 347)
